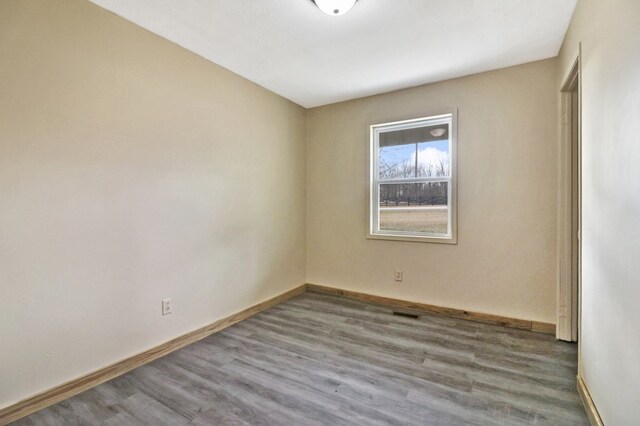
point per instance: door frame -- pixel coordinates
(570, 205)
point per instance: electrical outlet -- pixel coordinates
(166, 307)
(398, 275)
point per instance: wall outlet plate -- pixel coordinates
(167, 309)
(398, 275)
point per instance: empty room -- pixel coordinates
(320, 212)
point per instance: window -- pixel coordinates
(413, 180)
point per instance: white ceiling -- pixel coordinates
(295, 50)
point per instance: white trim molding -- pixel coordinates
(568, 274)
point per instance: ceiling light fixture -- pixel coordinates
(334, 7)
(438, 132)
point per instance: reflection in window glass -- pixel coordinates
(430, 159)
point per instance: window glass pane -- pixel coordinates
(414, 153)
(414, 207)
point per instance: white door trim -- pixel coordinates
(569, 201)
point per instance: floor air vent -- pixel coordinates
(404, 314)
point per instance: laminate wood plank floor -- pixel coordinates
(324, 360)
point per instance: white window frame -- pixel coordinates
(447, 117)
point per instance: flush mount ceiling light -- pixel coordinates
(438, 132)
(334, 7)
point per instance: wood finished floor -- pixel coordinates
(325, 360)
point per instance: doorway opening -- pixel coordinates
(570, 208)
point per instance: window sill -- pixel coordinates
(413, 239)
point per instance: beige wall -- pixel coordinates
(131, 170)
(505, 260)
(610, 341)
